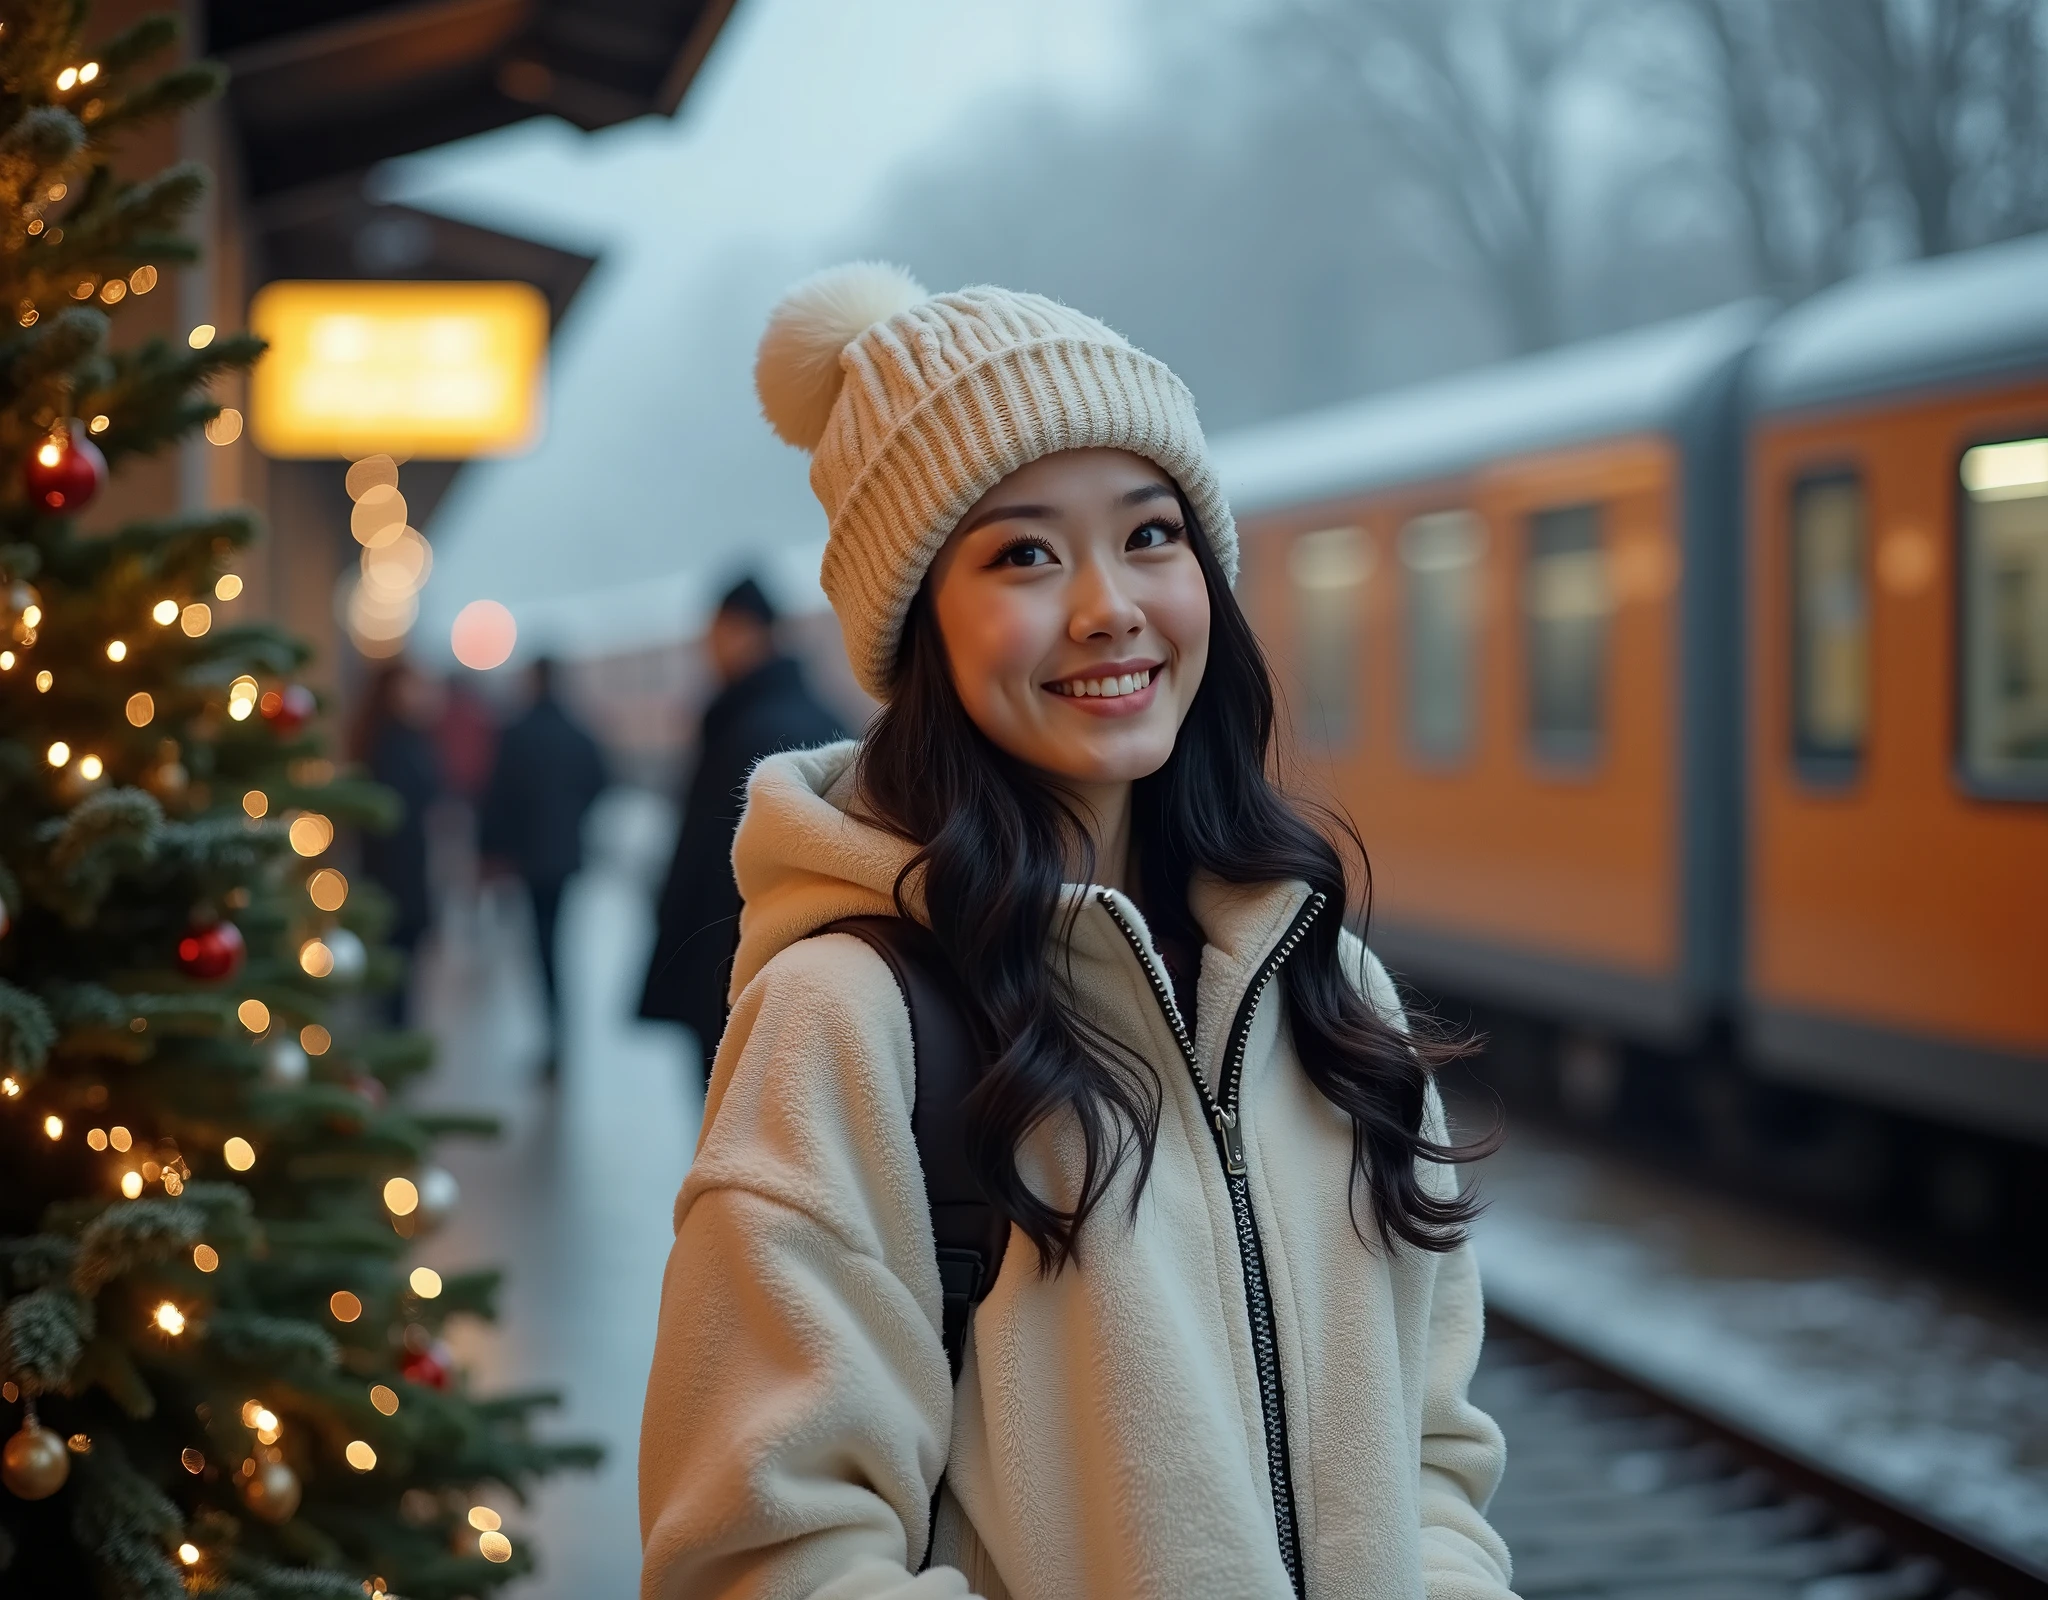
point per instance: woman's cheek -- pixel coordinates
(996, 645)
(1181, 612)
(1017, 636)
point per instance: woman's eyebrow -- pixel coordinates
(1039, 513)
(1011, 514)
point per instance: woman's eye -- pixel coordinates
(1155, 536)
(1024, 553)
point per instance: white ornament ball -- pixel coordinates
(351, 960)
(284, 1064)
(440, 1194)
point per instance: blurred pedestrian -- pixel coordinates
(468, 736)
(763, 705)
(548, 771)
(394, 740)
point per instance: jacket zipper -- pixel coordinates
(1222, 1107)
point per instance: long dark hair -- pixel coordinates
(996, 838)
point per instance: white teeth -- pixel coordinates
(1106, 688)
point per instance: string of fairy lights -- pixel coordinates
(381, 603)
(38, 1461)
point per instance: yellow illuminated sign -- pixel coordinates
(443, 370)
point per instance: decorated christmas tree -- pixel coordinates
(221, 1365)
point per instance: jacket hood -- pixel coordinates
(802, 861)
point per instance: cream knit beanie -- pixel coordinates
(913, 406)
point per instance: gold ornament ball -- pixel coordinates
(36, 1463)
(272, 1491)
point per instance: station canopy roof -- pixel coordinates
(323, 89)
(1636, 382)
(1918, 325)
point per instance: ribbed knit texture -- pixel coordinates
(943, 401)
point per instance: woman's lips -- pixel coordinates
(1122, 694)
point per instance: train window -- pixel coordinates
(1329, 569)
(1440, 556)
(1566, 600)
(1830, 624)
(2005, 615)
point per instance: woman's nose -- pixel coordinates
(1102, 609)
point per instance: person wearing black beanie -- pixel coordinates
(763, 706)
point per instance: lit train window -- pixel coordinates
(2005, 615)
(1440, 555)
(1830, 623)
(1329, 570)
(1566, 601)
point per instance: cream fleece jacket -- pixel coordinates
(1106, 1440)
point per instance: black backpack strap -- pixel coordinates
(970, 1233)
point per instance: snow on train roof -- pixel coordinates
(1925, 322)
(1625, 383)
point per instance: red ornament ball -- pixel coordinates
(65, 468)
(287, 710)
(211, 953)
(429, 1367)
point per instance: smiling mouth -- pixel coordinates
(1112, 687)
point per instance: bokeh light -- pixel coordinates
(483, 635)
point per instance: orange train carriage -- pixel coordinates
(1696, 679)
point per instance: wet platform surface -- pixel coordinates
(574, 1201)
(1921, 1387)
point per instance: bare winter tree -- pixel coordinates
(1796, 174)
(1466, 97)
(1843, 129)
(1952, 90)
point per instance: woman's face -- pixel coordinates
(1074, 615)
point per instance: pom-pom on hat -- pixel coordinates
(913, 406)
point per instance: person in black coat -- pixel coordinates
(547, 773)
(764, 706)
(394, 740)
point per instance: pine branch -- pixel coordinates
(41, 138)
(41, 1336)
(125, 1525)
(38, 1260)
(175, 91)
(280, 1346)
(26, 1031)
(125, 1237)
(104, 836)
(139, 41)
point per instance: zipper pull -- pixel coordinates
(1233, 1144)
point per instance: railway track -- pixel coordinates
(1616, 1490)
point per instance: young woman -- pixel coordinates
(1228, 1349)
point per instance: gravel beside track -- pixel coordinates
(1616, 1492)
